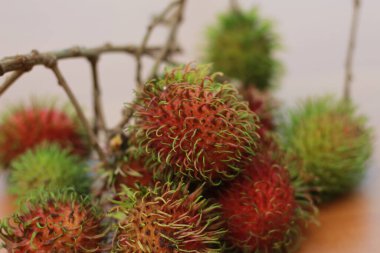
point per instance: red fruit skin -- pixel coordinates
(259, 206)
(194, 121)
(133, 173)
(28, 127)
(261, 104)
(56, 228)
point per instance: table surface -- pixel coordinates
(348, 225)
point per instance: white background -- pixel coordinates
(314, 35)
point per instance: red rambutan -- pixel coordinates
(194, 125)
(263, 105)
(26, 127)
(262, 208)
(132, 173)
(54, 222)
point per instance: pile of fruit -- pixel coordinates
(206, 165)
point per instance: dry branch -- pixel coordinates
(160, 19)
(99, 119)
(350, 51)
(27, 61)
(171, 40)
(62, 82)
(10, 80)
(234, 5)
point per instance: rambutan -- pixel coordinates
(132, 173)
(54, 222)
(167, 219)
(194, 125)
(263, 210)
(25, 127)
(50, 167)
(243, 45)
(264, 105)
(332, 142)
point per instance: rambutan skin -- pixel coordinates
(194, 125)
(263, 105)
(260, 208)
(133, 173)
(167, 219)
(55, 223)
(25, 127)
(242, 45)
(50, 167)
(332, 142)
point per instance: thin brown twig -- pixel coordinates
(27, 61)
(350, 50)
(99, 119)
(10, 80)
(127, 115)
(234, 5)
(63, 83)
(155, 22)
(171, 40)
(162, 55)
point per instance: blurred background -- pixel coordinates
(314, 35)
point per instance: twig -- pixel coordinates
(234, 5)
(127, 115)
(99, 119)
(350, 51)
(155, 22)
(62, 82)
(27, 61)
(171, 40)
(10, 80)
(162, 54)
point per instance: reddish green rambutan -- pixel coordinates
(54, 222)
(194, 125)
(167, 219)
(25, 127)
(264, 211)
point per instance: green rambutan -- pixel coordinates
(194, 126)
(264, 211)
(167, 219)
(25, 127)
(49, 167)
(243, 46)
(54, 222)
(332, 143)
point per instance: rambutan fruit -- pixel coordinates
(264, 211)
(243, 45)
(50, 167)
(194, 125)
(167, 219)
(264, 105)
(332, 142)
(54, 222)
(133, 173)
(25, 127)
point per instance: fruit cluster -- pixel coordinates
(203, 168)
